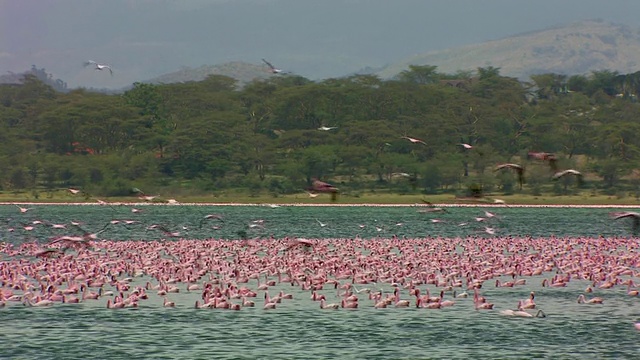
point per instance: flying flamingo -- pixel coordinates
(629, 214)
(515, 167)
(568, 172)
(414, 140)
(318, 186)
(544, 156)
(22, 210)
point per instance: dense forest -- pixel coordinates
(266, 137)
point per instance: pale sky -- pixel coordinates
(317, 39)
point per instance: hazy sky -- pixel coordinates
(142, 39)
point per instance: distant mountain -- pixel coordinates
(241, 71)
(578, 48)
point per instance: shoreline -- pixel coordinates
(276, 205)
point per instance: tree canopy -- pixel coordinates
(209, 135)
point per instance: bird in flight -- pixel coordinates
(323, 187)
(327, 128)
(272, 69)
(466, 146)
(99, 66)
(544, 156)
(631, 214)
(560, 174)
(414, 140)
(22, 210)
(567, 172)
(516, 167)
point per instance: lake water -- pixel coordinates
(298, 328)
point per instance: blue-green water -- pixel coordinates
(298, 329)
(304, 221)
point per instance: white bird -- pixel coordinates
(560, 174)
(466, 146)
(414, 140)
(22, 210)
(321, 223)
(272, 69)
(327, 128)
(99, 66)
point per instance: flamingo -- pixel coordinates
(332, 306)
(594, 300)
(318, 186)
(22, 210)
(247, 303)
(398, 302)
(349, 304)
(444, 303)
(167, 303)
(516, 167)
(528, 303)
(268, 304)
(629, 214)
(522, 313)
(568, 172)
(544, 156)
(414, 140)
(115, 304)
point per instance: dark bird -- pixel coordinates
(323, 187)
(544, 156)
(272, 69)
(515, 167)
(432, 207)
(631, 214)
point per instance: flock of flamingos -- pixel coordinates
(334, 274)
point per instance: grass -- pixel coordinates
(585, 198)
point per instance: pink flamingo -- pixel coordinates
(168, 303)
(324, 305)
(267, 302)
(348, 305)
(594, 300)
(398, 302)
(528, 303)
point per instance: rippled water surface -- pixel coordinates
(299, 329)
